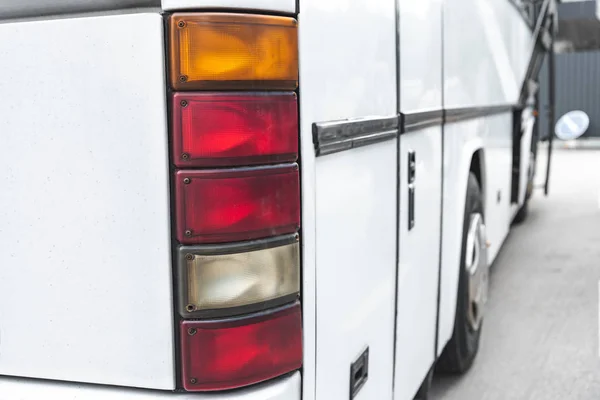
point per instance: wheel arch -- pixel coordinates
(469, 156)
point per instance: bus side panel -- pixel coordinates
(356, 255)
(37, 8)
(418, 267)
(420, 89)
(461, 141)
(348, 198)
(284, 388)
(85, 246)
(485, 48)
(492, 135)
(497, 137)
(485, 44)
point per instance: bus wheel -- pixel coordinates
(521, 215)
(459, 353)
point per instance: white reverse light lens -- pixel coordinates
(215, 282)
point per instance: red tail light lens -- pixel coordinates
(220, 355)
(214, 129)
(215, 206)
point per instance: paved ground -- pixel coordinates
(541, 332)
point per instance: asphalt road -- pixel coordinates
(541, 332)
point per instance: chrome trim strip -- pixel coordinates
(335, 136)
(421, 120)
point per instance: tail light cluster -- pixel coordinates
(237, 197)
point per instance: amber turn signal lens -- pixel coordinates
(233, 51)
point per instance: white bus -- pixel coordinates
(257, 199)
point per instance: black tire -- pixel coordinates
(459, 353)
(522, 214)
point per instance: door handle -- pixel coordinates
(412, 175)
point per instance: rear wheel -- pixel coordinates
(521, 215)
(459, 353)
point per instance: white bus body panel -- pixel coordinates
(287, 388)
(420, 89)
(47, 8)
(348, 198)
(487, 46)
(420, 25)
(418, 269)
(284, 6)
(356, 256)
(496, 132)
(493, 136)
(461, 141)
(85, 263)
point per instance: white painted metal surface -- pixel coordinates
(461, 140)
(85, 274)
(420, 89)
(486, 50)
(356, 257)
(497, 138)
(420, 64)
(284, 6)
(37, 8)
(287, 388)
(419, 262)
(487, 46)
(349, 198)
(491, 136)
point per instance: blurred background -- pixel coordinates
(577, 79)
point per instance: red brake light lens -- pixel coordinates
(214, 129)
(215, 206)
(219, 355)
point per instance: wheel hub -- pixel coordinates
(477, 271)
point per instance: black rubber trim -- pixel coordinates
(239, 247)
(335, 136)
(542, 39)
(466, 113)
(421, 120)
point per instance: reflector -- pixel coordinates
(220, 129)
(233, 51)
(239, 278)
(226, 205)
(219, 355)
